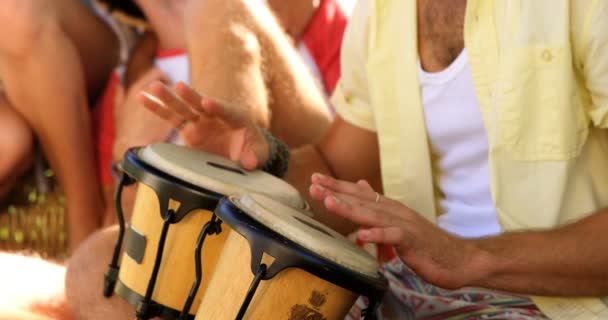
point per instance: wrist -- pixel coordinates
(277, 160)
(481, 264)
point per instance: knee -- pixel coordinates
(84, 279)
(27, 20)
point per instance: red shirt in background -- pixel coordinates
(323, 39)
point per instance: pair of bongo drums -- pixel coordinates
(208, 240)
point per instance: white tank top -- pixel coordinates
(459, 142)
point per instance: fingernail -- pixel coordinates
(319, 188)
(319, 176)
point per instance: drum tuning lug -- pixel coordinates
(216, 228)
(141, 312)
(110, 281)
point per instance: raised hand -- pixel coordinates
(208, 124)
(440, 258)
(136, 126)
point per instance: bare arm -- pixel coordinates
(572, 260)
(241, 56)
(566, 261)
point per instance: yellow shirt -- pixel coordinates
(540, 71)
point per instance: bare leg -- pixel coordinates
(94, 40)
(42, 69)
(16, 144)
(239, 54)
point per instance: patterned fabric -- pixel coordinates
(410, 297)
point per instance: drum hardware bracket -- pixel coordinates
(142, 312)
(259, 275)
(111, 275)
(110, 278)
(214, 226)
(371, 312)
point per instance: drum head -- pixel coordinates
(217, 174)
(308, 233)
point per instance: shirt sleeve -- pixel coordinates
(351, 97)
(595, 60)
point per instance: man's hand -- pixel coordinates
(440, 258)
(208, 124)
(136, 126)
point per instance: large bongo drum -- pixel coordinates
(161, 271)
(278, 263)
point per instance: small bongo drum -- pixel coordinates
(163, 259)
(278, 263)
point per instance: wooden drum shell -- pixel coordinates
(176, 273)
(292, 294)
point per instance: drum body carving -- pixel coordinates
(173, 240)
(309, 271)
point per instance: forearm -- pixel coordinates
(226, 57)
(571, 260)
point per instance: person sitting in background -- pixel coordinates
(57, 58)
(157, 55)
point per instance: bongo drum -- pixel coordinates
(163, 259)
(278, 263)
